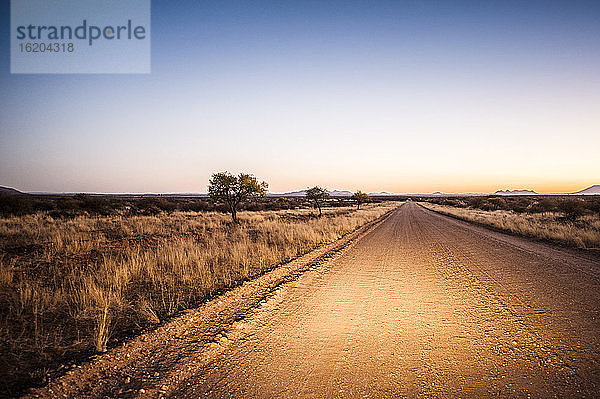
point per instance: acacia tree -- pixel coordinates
(232, 190)
(316, 195)
(360, 198)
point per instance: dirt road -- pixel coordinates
(421, 306)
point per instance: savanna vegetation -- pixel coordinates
(317, 196)
(360, 198)
(65, 206)
(233, 190)
(567, 220)
(80, 273)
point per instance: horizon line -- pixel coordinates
(382, 192)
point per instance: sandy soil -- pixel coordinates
(421, 305)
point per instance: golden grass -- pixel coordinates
(67, 286)
(550, 226)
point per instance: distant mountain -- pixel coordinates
(9, 191)
(382, 194)
(593, 190)
(441, 194)
(340, 193)
(515, 192)
(302, 193)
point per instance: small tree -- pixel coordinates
(232, 190)
(316, 195)
(360, 198)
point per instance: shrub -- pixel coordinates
(15, 205)
(572, 208)
(476, 202)
(541, 206)
(497, 203)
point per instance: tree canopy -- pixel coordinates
(360, 198)
(232, 190)
(317, 195)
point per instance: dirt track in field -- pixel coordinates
(422, 305)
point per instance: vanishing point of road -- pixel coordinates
(423, 305)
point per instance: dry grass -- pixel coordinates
(69, 287)
(551, 226)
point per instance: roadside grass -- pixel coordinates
(582, 232)
(70, 287)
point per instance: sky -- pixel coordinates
(399, 96)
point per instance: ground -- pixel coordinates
(417, 305)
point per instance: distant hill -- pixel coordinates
(340, 193)
(9, 191)
(515, 192)
(593, 190)
(382, 194)
(302, 193)
(333, 193)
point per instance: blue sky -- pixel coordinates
(398, 96)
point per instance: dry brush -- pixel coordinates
(584, 232)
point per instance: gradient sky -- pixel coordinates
(402, 96)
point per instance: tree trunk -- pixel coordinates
(319, 206)
(233, 211)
